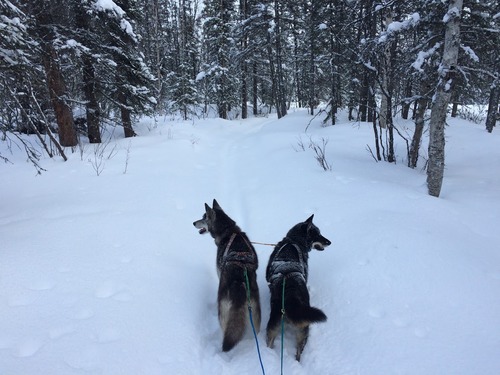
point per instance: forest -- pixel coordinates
(69, 68)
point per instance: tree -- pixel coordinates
(131, 90)
(493, 104)
(182, 79)
(158, 28)
(85, 35)
(492, 58)
(15, 58)
(251, 32)
(219, 54)
(447, 76)
(275, 52)
(45, 29)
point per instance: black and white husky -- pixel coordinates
(236, 259)
(288, 269)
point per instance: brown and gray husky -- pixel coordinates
(236, 259)
(288, 269)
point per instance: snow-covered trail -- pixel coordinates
(107, 275)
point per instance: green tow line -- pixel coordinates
(282, 321)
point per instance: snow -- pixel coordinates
(109, 5)
(119, 13)
(397, 26)
(107, 275)
(422, 56)
(447, 85)
(452, 13)
(470, 52)
(200, 75)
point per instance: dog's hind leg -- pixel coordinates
(273, 325)
(301, 337)
(234, 328)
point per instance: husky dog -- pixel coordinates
(288, 266)
(236, 260)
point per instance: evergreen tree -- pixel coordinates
(158, 28)
(15, 58)
(219, 55)
(131, 90)
(88, 48)
(182, 79)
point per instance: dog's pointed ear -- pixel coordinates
(310, 220)
(207, 208)
(216, 205)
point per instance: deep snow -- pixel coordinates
(106, 274)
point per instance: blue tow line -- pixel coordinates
(251, 322)
(282, 322)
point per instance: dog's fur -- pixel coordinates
(288, 263)
(234, 255)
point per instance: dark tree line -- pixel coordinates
(74, 66)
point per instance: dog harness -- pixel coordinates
(288, 269)
(244, 259)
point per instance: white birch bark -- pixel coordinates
(386, 67)
(447, 75)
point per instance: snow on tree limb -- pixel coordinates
(398, 26)
(424, 55)
(110, 7)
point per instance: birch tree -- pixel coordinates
(447, 76)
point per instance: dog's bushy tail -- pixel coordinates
(234, 330)
(236, 316)
(301, 314)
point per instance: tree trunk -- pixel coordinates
(405, 110)
(244, 92)
(58, 95)
(280, 86)
(454, 109)
(91, 107)
(447, 72)
(419, 127)
(88, 78)
(491, 117)
(363, 100)
(377, 141)
(297, 69)
(385, 71)
(125, 112)
(126, 120)
(455, 101)
(255, 87)
(391, 157)
(55, 81)
(244, 68)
